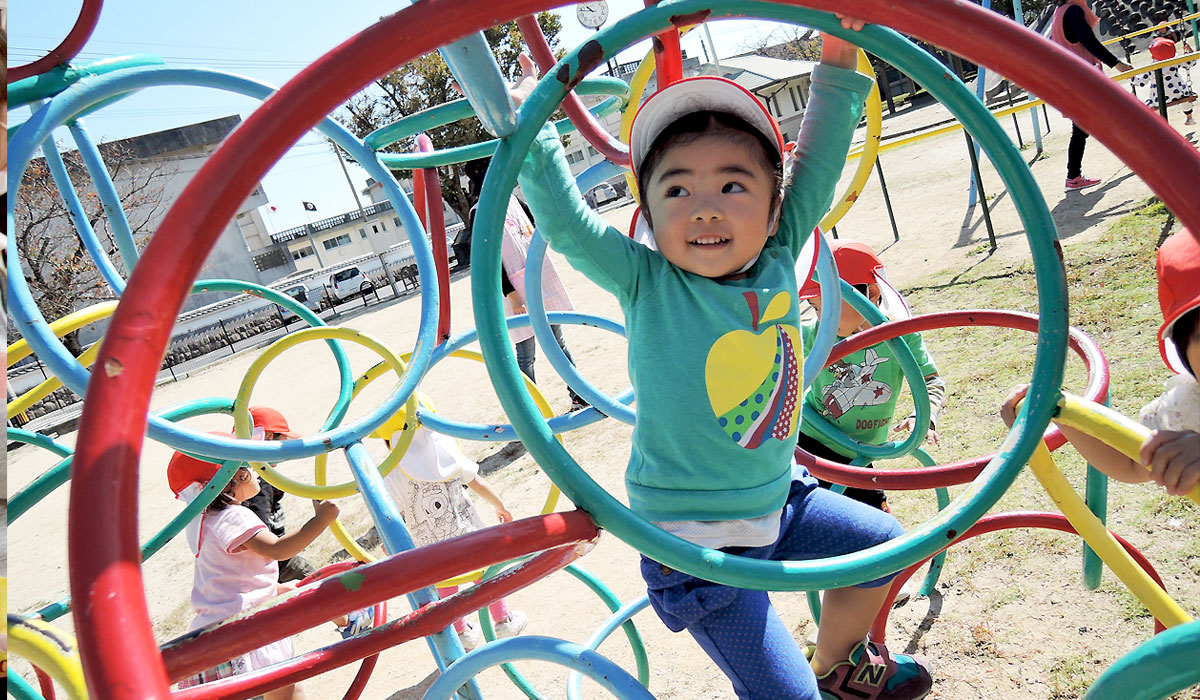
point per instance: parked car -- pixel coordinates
(348, 282)
(312, 298)
(603, 194)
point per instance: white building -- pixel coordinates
(334, 240)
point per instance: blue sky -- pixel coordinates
(258, 40)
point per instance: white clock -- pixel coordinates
(592, 14)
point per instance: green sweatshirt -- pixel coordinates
(715, 365)
(858, 393)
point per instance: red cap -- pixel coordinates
(1178, 270)
(1162, 48)
(184, 469)
(271, 421)
(856, 263)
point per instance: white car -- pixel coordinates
(349, 282)
(603, 194)
(301, 293)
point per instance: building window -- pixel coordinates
(593, 152)
(374, 228)
(362, 233)
(396, 220)
(382, 225)
(775, 101)
(302, 252)
(574, 157)
(792, 94)
(336, 242)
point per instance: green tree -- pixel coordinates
(424, 83)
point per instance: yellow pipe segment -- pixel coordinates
(1118, 431)
(1101, 540)
(50, 649)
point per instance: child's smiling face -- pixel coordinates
(709, 201)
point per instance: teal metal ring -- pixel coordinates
(714, 565)
(451, 112)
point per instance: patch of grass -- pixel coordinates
(1131, 609)
(1005, 597)
(1071, 676)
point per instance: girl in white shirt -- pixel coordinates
(237, 561)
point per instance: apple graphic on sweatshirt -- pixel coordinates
(753, 376)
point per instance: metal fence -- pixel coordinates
(201, 347)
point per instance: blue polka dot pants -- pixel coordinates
(739, 629)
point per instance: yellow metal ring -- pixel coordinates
(50, 649)
(241, 412)
(71, 322)
(343, 536)
(870, 149)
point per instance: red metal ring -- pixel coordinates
(397, 575)
(429, 619)
(435, 226)
(115, 638)
(584, 122)
(966, 470)
(89, 14)
(995, 523)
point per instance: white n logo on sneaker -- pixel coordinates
(871, 674)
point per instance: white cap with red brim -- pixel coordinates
(703, 93)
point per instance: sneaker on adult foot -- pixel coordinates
(1078, 183)
(873, 673)
(512, 625)
(469, 635)
(1190, 121)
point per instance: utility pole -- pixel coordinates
(363, 213)
(708, 34)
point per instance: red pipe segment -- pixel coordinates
(115, 638)
(388, 578)
(435, 225)
(583, 120)
(89, 15)
(966, 470)
(45, 684)
(420, 623)
(368, 665)
(995, 523)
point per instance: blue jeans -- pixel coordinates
(527, 354)
(738, 628)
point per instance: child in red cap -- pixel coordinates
(236, 560)
(1171, 455)
(858, 393)
(1177, 80)
(267, 504)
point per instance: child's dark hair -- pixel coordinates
(692, 126)
(225, 498)
(1181, 332)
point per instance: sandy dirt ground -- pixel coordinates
(998, 626)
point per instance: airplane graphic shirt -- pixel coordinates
(858, 392)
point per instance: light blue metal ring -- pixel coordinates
(50, 350)
(609, 675)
